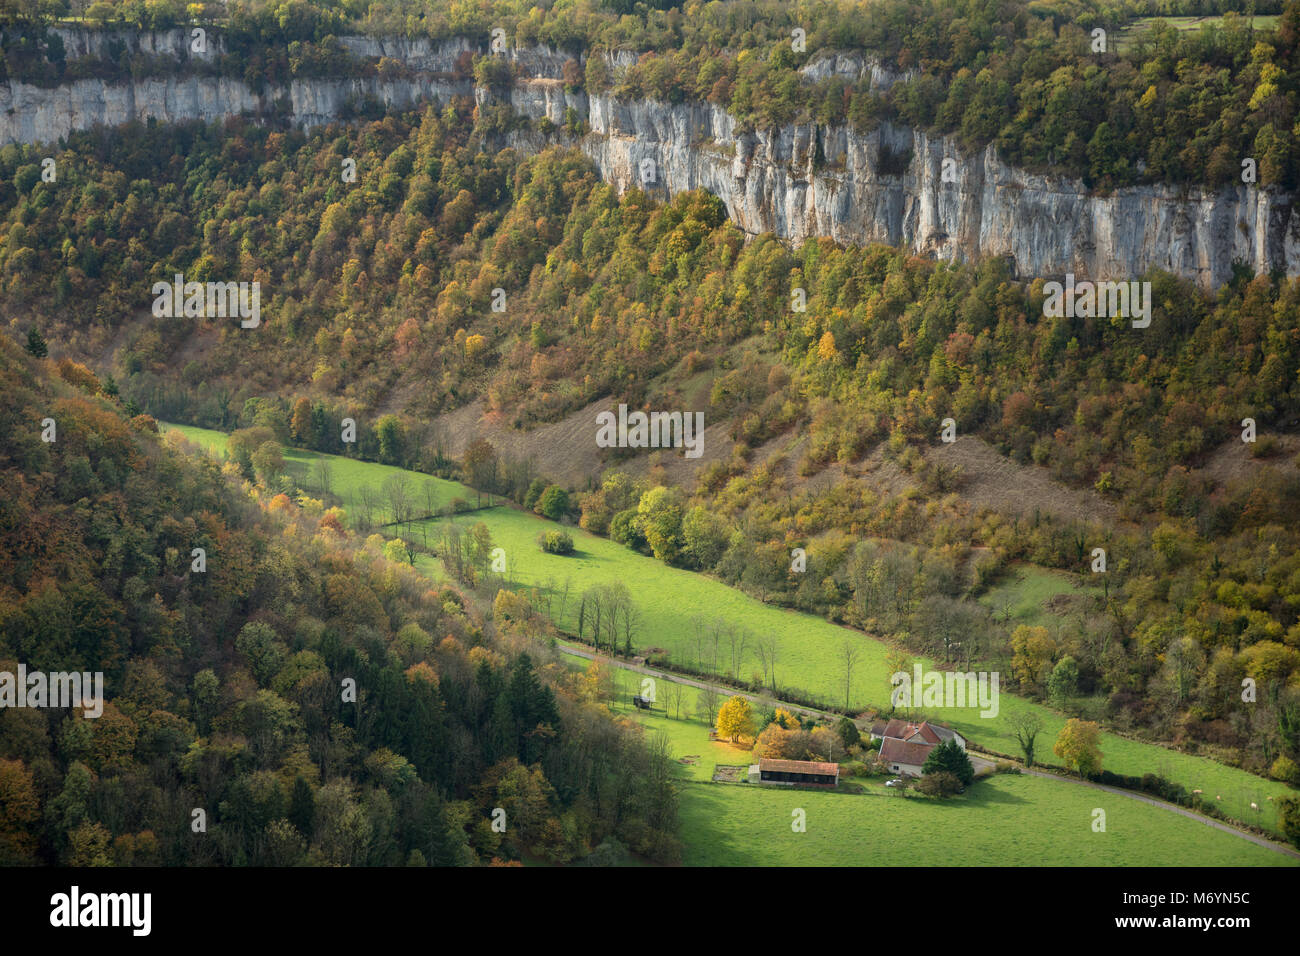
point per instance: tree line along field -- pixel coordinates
(1003, 820)
(670, 599)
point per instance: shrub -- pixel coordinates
(939, 784)
(553, 504)
(1285, 769)
(533, 493)
(626, 529)
(1265, 447)
(1288, 813)
(876, 767)
(556, 542)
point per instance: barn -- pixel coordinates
(804, 773)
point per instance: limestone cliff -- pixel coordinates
(797, 181)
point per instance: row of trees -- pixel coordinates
(608, 617)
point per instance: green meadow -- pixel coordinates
(1000, 821)
(1022, 820)
(1023, 593)
(671, 599)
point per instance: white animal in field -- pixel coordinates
(1254, 806)
(1196, 791)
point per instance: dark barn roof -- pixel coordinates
(798, 766)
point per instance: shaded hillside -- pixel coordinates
(227, 688)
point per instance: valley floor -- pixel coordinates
(1032, 819)
(671, 599)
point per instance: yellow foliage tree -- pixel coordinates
(1032, 652)
(736, 719)
(475, 346)
(1079, 746)
(826, 350)
(775, 742)
(786, 719)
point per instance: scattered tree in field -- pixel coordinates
(769, 648)
(674, 691)
(1033, 650)
(324, 475)
(850, 654)
(555, 542)
(896, 661)
(736, 719)
(1079, 746)
(1063, 683)
(706, 704)
(1026, 725)
(480, 466)
(660, 517)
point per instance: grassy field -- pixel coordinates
(999, 821)
(670, 599)
(1021, 597)
(1023, 820)
(347, 475)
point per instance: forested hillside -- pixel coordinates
(378, 304)
(228, 735)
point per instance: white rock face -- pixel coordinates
(433, 56)
(176, 44)
(30, 114)
(774, 181)
(798, 181)
(853, 66)
(541, 98)
(317, 102)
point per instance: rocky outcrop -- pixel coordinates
(31, 114)
(890, 186)
(896, 185)
(177, 44)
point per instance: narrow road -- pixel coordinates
(579, 651)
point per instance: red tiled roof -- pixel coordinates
(927, 733)
(896, 728)
(798, 766)
(898, 751)
(905, 730)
